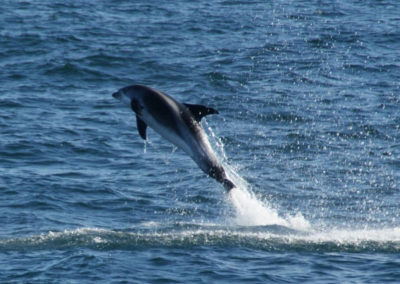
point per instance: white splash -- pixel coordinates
(145, 147)
(249, 210)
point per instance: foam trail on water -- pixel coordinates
(249, 210)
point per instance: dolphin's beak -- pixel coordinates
(117, 95)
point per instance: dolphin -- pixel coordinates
(177, 122)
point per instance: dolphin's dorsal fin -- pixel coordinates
(199, 111)
(141, 126)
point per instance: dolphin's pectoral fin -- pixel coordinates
(199, 111)
(136, 107)
(141, 126)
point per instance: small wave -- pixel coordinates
(70, 69)
(269, 238)
(10, 103)
(360, 131)
(283, 117)
(74, 69)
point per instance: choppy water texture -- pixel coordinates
(308, 95)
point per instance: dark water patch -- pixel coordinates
(70, 70)
(95, 117)
(330, 12)
(68, 39)
(84, 147)
(218, 79)
(322, 41)
(390, 38)
(12, 42)
(9, 103)
(36, 205)
(283, 117)
(73, 175)
(22, 149)
(357, 67)
(357, 131)
(104, 60)
(201, 199)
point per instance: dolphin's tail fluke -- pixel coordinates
(228, 185)
(218, 172)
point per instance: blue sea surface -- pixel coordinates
(308, 94)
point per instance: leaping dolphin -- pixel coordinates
(179, 123)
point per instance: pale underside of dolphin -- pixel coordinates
(177, 122)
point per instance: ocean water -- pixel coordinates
(309, 100)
